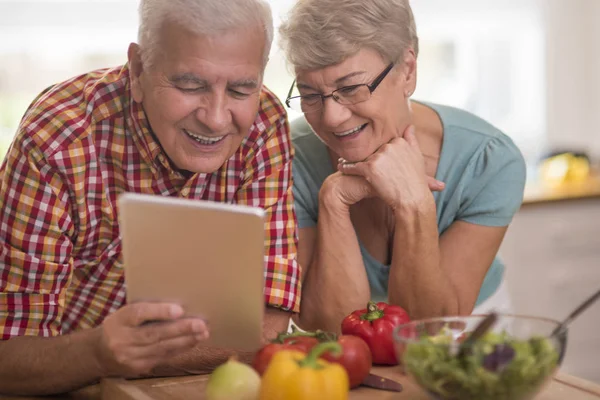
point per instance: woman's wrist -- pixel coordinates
(330, 201)
(417, 206)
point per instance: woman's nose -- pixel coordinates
(334, 113)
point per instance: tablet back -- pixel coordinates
(206, 256)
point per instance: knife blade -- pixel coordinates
(379, 382)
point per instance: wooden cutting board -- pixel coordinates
(563, 387)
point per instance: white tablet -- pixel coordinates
(206, 256)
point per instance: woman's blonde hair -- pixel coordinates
(319, 33)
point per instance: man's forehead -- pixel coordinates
(245, 42)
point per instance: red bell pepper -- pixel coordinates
(375, 325)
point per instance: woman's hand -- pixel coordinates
(396, 172)
(346, 189)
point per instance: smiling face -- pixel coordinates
(356, 131)
(201, 95)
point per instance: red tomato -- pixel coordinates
(304, 342)
(263, 356)
(355, 358)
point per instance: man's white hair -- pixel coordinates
(201, 17)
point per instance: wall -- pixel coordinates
(552, 254)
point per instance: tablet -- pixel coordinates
(206, 256)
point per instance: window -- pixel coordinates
(486, 57)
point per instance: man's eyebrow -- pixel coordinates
(245, 83)
(188, 78)
(191, 78)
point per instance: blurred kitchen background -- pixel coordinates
(531, 67)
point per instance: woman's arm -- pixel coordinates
(417, 281)
(468, 246)
(432, 277)
(335, 280)
(334, 277)
(467, 251)
(429, 276)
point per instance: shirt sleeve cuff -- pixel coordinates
(282, 284)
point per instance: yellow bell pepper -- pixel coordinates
(292, 375)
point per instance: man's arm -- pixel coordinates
(37, 365)
(27, 362)
(122, 346)
(37, 267)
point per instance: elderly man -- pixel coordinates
(186, 117)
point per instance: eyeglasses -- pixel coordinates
(345, 95)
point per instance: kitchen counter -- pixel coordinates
(192, 387)
(538, 192)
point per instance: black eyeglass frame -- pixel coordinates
(371, 87)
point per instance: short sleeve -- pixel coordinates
(310, 169)
(494, 184)
(304, 202)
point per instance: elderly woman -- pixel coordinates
(397, 200)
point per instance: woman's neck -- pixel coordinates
(429, 132)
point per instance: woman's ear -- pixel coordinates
(136, 69)
(409, 72)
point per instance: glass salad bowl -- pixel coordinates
(513, 360)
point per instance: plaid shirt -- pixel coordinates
(81, 144)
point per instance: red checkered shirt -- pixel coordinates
(80, 144)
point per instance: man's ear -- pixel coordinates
(409, 72)
(135, 71)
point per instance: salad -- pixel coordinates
(496, 367)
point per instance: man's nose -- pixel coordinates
(215, 114)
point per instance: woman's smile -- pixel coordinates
(350, 134)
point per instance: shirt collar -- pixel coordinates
(145, 140)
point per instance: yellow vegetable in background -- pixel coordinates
(292, 375)
(564, 168)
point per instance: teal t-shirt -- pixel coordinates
(483, 169)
